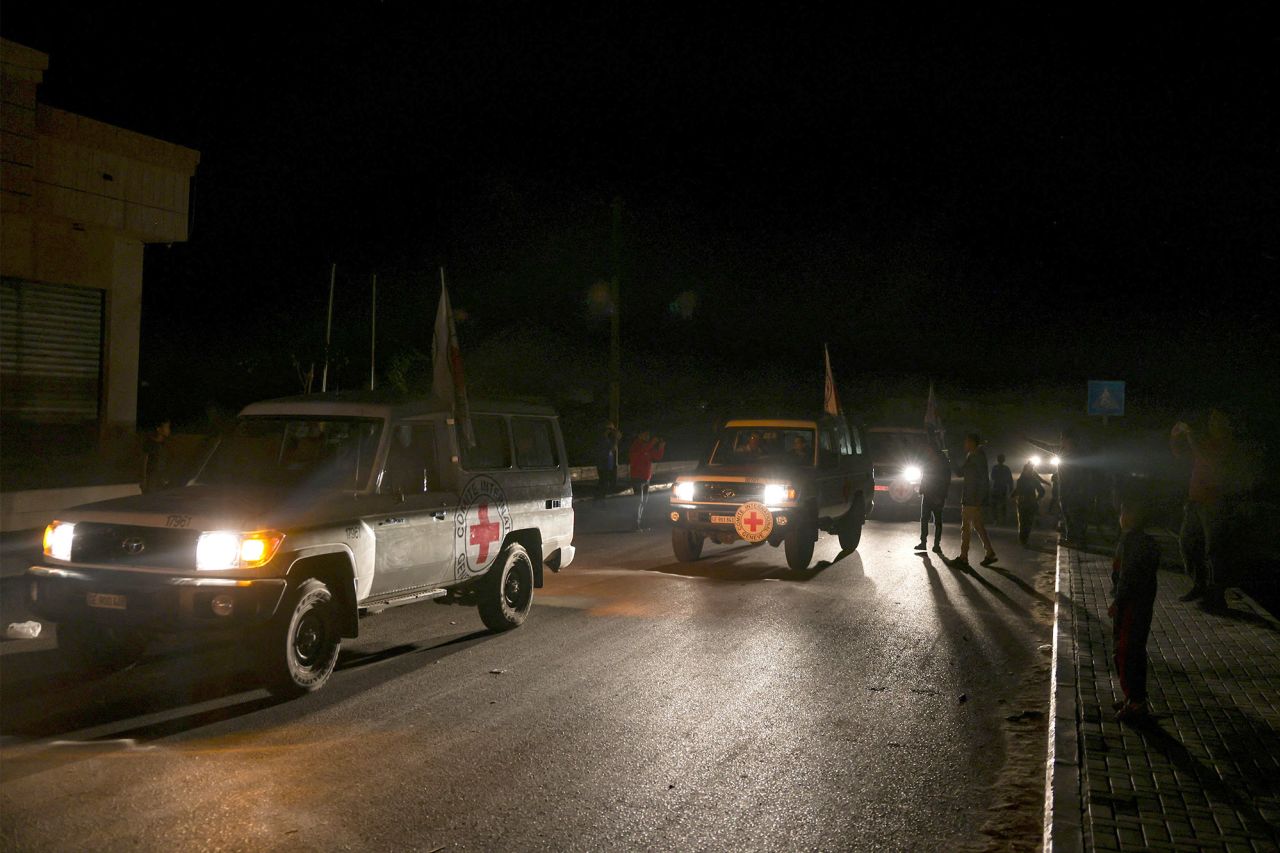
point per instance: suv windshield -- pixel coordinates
(768, 445)
(333, 453)
(898, 448)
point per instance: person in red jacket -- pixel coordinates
(645, 450)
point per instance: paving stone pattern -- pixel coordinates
(1205, 773)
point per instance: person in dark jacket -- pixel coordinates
(607, 461)
(1001, 488)
(1075, 491)
(977, 489)
(1205, 513)
(1134, 575)
(1026, 497)
(933, 487)
(155, 458)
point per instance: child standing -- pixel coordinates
(1134, 574)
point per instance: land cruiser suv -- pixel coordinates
(775, 481)
(311, 513)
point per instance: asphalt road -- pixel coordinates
(727, 705)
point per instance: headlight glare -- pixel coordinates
(1055, 462)
(1035, 461)
(913, 474)
(57, 540)
(222, 549)
(684, 491)
(776, 494)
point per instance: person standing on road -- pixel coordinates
(607, 461)
(1026, 498)
(645, 450)
(1134, 576)
(976, 491)
(1204, 515)
(934, 483)
(1001, 488)
(155, 458)
(1075, 493)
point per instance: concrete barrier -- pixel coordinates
(36, 507)
(589, 474)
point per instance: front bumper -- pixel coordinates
(142, 599)
(699, 517)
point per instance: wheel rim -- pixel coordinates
(309, 639)
(513, 589)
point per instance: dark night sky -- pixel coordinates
(978, 194)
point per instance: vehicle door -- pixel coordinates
(830, 475)
(413, 513)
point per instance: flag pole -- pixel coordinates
(328, 330)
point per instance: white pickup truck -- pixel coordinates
(311, 513)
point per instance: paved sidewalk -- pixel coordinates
(1204, 774)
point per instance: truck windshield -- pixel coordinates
(763, 445)
(333, 453)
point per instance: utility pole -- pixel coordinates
(373, 332)
(328, 330)
(615, 337)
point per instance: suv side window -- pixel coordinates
(535, 442)
(411, 464)
(493, 445)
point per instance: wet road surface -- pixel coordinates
(726, 704)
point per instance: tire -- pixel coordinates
(686, 544)
(90, 648)
(850, 531)
(300, 644)
(506, 592)
(798, 543)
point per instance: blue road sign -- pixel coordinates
(1106, 398)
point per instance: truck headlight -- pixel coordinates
(684, 491)
(775, 494)
(57, 540)
(221, 549)
(1035, 461)
(1055, 462)
(913, 474)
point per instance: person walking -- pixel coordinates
(607, 461)
(155, 458)
(1075, 493)
(1001, 488)
(1027, 494)
(934, 483)
(1134, 576)
(645, 450)
(976, 491)
(1204, 514)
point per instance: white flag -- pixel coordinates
(447, 383)
(830, 400)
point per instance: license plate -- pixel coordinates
(722, 519)
(103, 599)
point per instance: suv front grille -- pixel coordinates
(728, 491)
(128, 545)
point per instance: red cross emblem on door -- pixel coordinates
(484, 533)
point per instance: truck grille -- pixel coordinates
(728, 491)
(119, 544)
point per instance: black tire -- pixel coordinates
(506, 592)
(90, 648)
(300, 644)
(798, 543)
(850, 530)
(687, 544)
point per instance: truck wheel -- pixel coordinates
(686, 544)
(506, 592)
(851, 527)
(91, 648)
(798, 544)
(300, 644)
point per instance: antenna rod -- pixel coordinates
(328, 330)
(373, 332)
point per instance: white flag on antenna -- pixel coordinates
(447, 382)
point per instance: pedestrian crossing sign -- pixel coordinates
(1106, 398)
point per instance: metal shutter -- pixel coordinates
(50, 351)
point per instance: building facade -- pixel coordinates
(79, 199)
